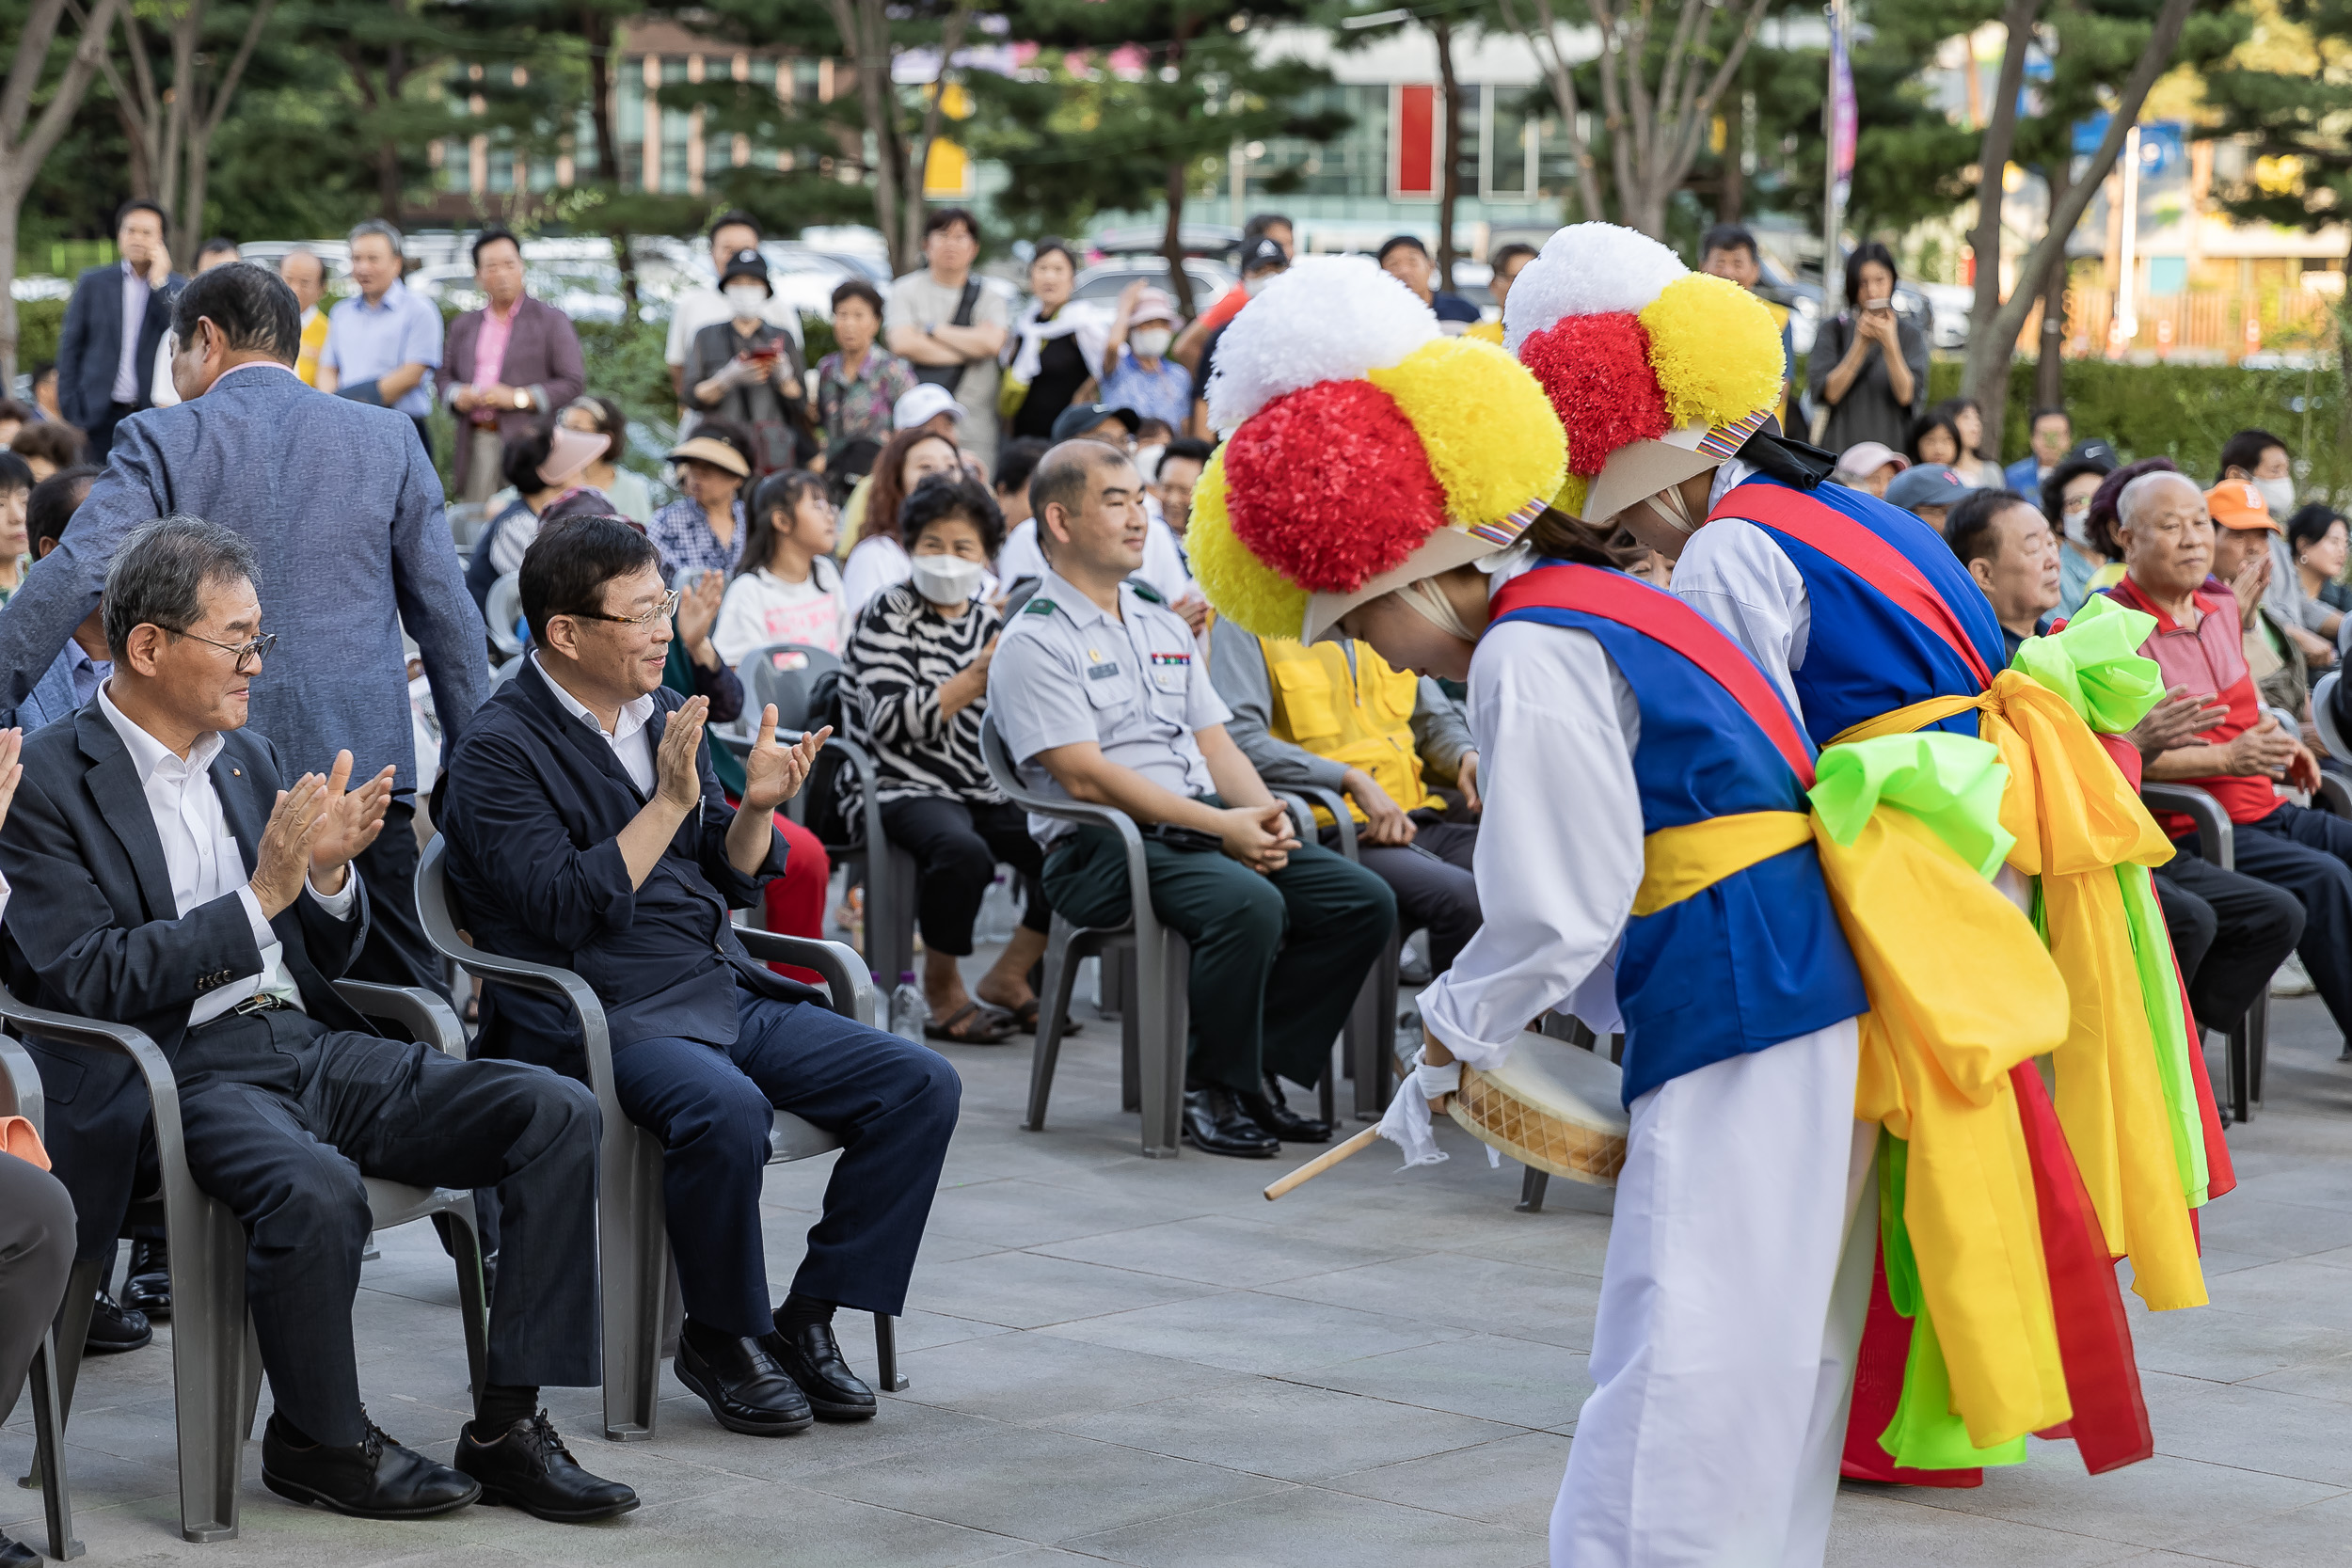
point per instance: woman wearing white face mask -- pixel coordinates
(746, 371)
(920, 657)
(1137, 371)
(2066, 501)
(2262, 460)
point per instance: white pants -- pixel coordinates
(1731, 1309)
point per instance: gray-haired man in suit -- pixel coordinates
(344, 512)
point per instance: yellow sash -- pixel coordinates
(2075, 819)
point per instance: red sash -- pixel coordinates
(1664, 619)
(1862, 552)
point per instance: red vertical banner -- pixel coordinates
(1413, 141)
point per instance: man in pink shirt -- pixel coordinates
(507, 365)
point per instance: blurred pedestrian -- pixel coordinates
(1137, 371)
(2317, 534)
(16, 543)
(49, 446)
(2051, 432)
(384, 342)
(732, 230)
(2066, 496)
(1868, 366)
(1261, 262)
(116, 316)
(218, 251)
(305, 274)
(1056, 346)
(1406, 259)
(626, 489)
(1729, 252)
(509, 365)
(703, 529)
(860, 381)
(1193, 340)
(1976, 465)
(951, 326)
(1869, 465)
(1503, 265)
(1927, 491)
(747, 372)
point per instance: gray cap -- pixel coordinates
(1927, 484)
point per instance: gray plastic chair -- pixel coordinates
(632, 1229)
(2248, 1050)
(215, 1363)
(20, 1096)
(1371, 1035)
(1154, 1017)
(501, 608)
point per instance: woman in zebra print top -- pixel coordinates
(920, 657)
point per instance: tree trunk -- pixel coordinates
(2049, 372)
(1993, 344)
(1545, 46)
(1172, 241)
(1984, 239)
(1732, 193)
(142, 168)
(23, 151)
(596, 32)
(919, 155)
(1449, 149)
(865, 41)
(12, 207)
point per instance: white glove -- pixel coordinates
(1406, 1123)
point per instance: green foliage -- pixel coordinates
(38, 323)
(2290, 103)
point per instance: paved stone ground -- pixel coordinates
(1145, 1363)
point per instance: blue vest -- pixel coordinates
(1869, 651)
(1758, 958)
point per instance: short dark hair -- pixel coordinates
(1934, 420)
(54, 501)
(252, 305)
(219, 245)
(491, 236)
(942, 496)
(779, 495)
(15, 474)
(23, 413)
(1969, 526)
(1061, 475)
(948, 217)
(2245, 450)
(1727, 236)
(1054, 248)
(1400, 242)
(2311, 522)
(2054, 487)
(60, 443)
(1016, 460)
(1510, 252)
(142, 204)
(565, 570)
(1258, 223)
(610, 420)
(733, 217)
(158, 577)
(1186, 445)
(2107, 502)
(42, 368)
(857, 287)
(1861, 256)
(2049, 411)
(518, 462)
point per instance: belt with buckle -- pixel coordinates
(259, 1002)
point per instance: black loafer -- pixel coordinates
(114, 1329)
(148, 1288)
(1269, 1110)
(15, 1554)
(1216, 1123)
(528, 1467)
(742, 1383)
(812, 1357)
(373, 1479)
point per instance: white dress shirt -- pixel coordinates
(627, 738)
(204, 859)
(134, 292)
(1732, 572)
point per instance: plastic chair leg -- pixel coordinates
(2241, 1068)
(1533, 1184)
(70, 1335)
(56, 1500)
(1161, 999)
(212, 1355)
(1373, 1026)
(1053, 1018)
(633, 1236)
(465, 1241)
(1123, 961)
(893, 1381)
(2258, 1045)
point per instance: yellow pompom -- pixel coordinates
(1715, 349)
(1239, 586)
(1490, 432)
(1570, 497)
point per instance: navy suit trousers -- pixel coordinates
(890, 1101)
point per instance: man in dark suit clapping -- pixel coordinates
(116, 316)
(168, 875)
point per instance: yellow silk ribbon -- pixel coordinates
(2075, 819)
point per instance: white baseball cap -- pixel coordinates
(922, 405)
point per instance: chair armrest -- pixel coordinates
(425, 1016)
(19, 1087)
(2334, 795)
(163, 1089)
(845, 974)
(1008, 780)
(2216, 836)
(1336, 803)
(1302, 814)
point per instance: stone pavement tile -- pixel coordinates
(917, 1329)
(1028, 1290)
(2247, 1221)
(1511, 1481)
(93, 1478)
(1272, 1428)
(905, 1434)
(1227, 1249)
(2306, 1538)
(2292, 1291)
(1522, 1382)
(1042, 1378)
(2226, 1346)
(2218, 1261)
(2330, 1379)
(1477, 1294)
(1556, 1238)
(1043, 1486)
(1019, 1213)
(2161, 1502)
(1879, 1526)
(2251, 1428)
(1250, 1332)
(2303, 1182)
(1313, 1527)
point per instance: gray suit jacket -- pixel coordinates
(341, 505)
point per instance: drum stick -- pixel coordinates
(1321, 1163)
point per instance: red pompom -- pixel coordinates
(1596, 370)
(1330, 486)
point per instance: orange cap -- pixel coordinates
(2236, 503)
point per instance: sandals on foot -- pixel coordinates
(974, 1023)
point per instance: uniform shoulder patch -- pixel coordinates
(1038, 606)
(1145, 591)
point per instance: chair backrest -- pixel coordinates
(1001, 768)
(433, 911)
(466, 522)
(784, 673)
(501, 609)
(506, 672)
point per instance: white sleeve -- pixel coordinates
(1163, 564)
(1733, 574)
(740, 626)
(160, 392)
(876, 564)
(1021, 557)
(1560, 850)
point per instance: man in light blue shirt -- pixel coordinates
(382, 344)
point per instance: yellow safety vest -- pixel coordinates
(1360, 719)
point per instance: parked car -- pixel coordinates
(1108, 280)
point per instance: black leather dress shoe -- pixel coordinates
(528, 1467)
(742, 1383)
(15, 1554)
(114, 1329)
(1216, 1123)
(811, 1357)
(148, 1288)
(373, 1479)
(1269, 1111)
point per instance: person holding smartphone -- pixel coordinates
(1870, 366)
(747, 371)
